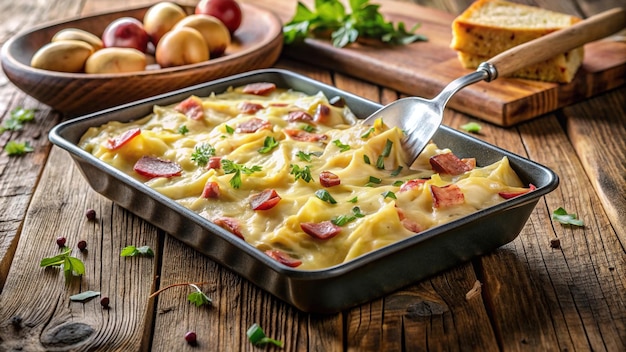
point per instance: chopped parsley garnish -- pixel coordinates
(229, 129)
(268, 144)
(398, 183)
(202, 153)
(307, 156)
(561, 215)
(308, 128)
(342, 147)
(380, 162)
(367, 134)
(365, 20)
(325, 196)
(353, 200)
(366, 159)
(342, 220)
(373, 181)
(397, 171)
(471, 127)
(231, 167)
(183, 130)
(301, 173)
(17, 119)
(389, 194)
(14, 148)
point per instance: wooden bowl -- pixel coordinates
(256, 44)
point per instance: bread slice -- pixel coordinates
(489, 27)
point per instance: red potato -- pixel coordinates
(126, 32)
(161, 18)
(227, 11)
(181, 46)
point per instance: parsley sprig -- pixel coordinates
(345, 27)
(561, 215)
(14, 148)
(133, 251)
(230, 167)
(342, 220)
(18, 117)
(202, 153)
(71, 265)
(303, 173)
(268, 145)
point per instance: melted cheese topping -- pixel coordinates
(370, 208)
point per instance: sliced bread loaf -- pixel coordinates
(489, 27)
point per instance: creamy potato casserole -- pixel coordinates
(296, 176)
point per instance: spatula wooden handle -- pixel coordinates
(593, 28)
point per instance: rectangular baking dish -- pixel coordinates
(328, 290)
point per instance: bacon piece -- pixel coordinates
(119, 141)
(279, 105)
(283, 258)
(299, 116)
(471, 162)
(411, 184)
(264, 200)
(229, 224)
(328, 179)
(321, 230)
(253, 125)
(322, 113)
(191, 107)
(211, 190)
(411, 225)
(247, 107)
(154, 167)
(509, 195)
(446, 196)
(448, 164)
(215, 162)
(304, 136)
(261, 88)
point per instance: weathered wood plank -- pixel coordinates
(39, 299)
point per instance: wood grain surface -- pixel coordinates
(424, 68)
(533, 297)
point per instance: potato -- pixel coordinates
(63, 56)
(161, 18)
(215, 33)
(79, 34)
(181, 46)
(116, 60)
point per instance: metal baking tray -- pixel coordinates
(332, 289)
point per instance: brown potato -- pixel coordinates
(78, 34)
(214, 32)
(63, 56)
(181, 46)
(116, 60)
(161, 18)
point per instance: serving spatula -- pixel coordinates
(420, 118)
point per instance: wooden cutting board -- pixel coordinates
(424, 68)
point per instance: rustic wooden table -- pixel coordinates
(534, 297)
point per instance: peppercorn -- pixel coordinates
(90, 214)
(191, 337)
(82, 245)
(61, 241)
(104, 302)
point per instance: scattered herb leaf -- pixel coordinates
(84, 296)
(366, 159)
(389, 194)
(472, 127)
(380, 162)
(229, 129)
(562, 216)
(397, 171)
(367, 134)
(258, 338)
(198, 297)
(307, 156)
(342, 220)
(71, 265)
(373, 181)
(131, 251)
(17, 119)
(353, 200)
(307, 128)
(14, 148)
